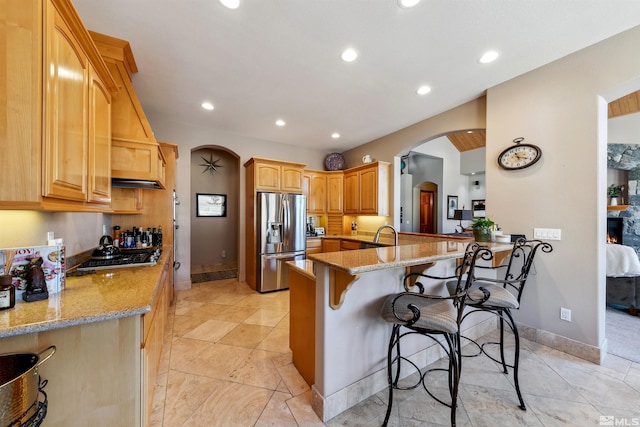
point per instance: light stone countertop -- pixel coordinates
(406, 254)
(303, 266)
(105, 295)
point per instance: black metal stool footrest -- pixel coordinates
(478, 353)
(424, 385)
(491, 357)
(395, 386)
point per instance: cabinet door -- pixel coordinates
(268, 177)
(351, 193)
(291, 179)
(335, 192)
(66, 93)
(369, 191)
(330, 245)
(99, 185)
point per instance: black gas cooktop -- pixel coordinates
(127, 258)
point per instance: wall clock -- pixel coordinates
(520, 156)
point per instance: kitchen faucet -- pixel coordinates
(395, 234)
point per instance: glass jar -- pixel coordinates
(7, 292)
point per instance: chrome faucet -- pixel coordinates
(395, 234)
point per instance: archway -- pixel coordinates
(214, 216)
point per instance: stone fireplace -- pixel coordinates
(627, 157)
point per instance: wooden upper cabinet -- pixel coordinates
(315, 188)
(66, 138)
(335, 191)
(275, 175)
(366, 189)
(57, 100)
(351, 192)
(291, 178)
(99, 181)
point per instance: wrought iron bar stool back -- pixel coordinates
(502, 294)
(437, 317)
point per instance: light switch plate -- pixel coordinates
(547, 233)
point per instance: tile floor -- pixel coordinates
(227, 363)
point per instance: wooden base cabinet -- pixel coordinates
(57, 96)
(302, 333)
(154, 326)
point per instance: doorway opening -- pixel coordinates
(214, 217)
(428, 207)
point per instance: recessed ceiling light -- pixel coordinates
(423, 90)
(231, 4)
(335, 135)
(488, 57)
(469, 131)
(280, 122)
(207, 105)
(406, 4)
(349, 55)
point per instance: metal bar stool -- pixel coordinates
(504, 294)
(432, 316)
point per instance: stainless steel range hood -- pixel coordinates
(134, 183)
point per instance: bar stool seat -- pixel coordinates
(436, 317)
(498, 296)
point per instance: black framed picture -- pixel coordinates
(478, 208)
(212, 205)
(452, 205)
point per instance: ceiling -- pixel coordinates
(279, 59)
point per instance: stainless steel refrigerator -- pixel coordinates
(281, 237)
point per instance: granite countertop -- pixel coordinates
(303, 266)
(404, 255)
(105, 295)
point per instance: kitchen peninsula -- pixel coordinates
(108, 329)
(351, 338)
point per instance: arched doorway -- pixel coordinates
(214, 216)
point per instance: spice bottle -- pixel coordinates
(7, 292)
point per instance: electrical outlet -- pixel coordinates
(224, 254)
(565, 314)
(547, 233)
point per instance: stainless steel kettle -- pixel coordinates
(105, 249)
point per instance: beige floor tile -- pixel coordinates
(284, 323)
(247, 378)
(211, 330)
(300, 406)
(277, 413)
(185, 393)
(214, 361)
(231, 404)
(265, 317)
(258, 370)
(245, 335)
(185, 324)
(234, 313)
(293, 380)
(277, 340)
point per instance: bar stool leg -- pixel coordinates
(516, 361)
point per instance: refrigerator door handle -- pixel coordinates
(286, 220)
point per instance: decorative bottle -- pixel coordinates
(7, 292)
